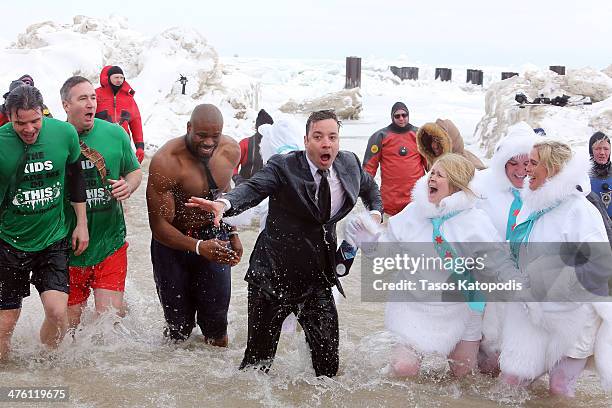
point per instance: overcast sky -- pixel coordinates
(487, 32)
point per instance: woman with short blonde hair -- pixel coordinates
(553, 155)
(441, 217)
(565, 333)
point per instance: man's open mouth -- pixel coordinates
(206, 149)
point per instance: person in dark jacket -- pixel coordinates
(250, 156)
(116, 104)
(601, 173)
(23, 80)
(401, 165)
(292, 267)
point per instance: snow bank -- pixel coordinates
(52, 52)
(346, 103)
(572, 124)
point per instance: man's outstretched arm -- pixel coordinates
(161, 208)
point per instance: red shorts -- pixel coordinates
(108, 274)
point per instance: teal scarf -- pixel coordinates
(475, 299)
(515, 208)
(520, 234)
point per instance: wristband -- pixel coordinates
(232, 233)
(197, 251)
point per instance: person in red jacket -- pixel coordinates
(116, 104)
(395, 149)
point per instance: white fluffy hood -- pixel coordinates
(455, 202)
(519, 140)
(560, 187)
(279, 138)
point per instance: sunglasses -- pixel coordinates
(400, 115)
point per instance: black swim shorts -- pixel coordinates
(46, 270)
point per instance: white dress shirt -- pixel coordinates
(335, 187)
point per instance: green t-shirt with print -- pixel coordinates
(104, 213)
(32, 182)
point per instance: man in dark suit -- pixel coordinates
(292, 268)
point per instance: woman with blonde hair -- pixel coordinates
(558, 334)
(441, 217)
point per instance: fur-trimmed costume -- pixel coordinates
(495, 198)
(436, 327)
(536, 336)
(448, 136)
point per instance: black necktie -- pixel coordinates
(324, 195)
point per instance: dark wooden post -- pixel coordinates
(353, 73)
(474, 76)
(413, 73)
(445, 74)
(559, 69)
(506, 75)
(405, 72)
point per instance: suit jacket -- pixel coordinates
(295, 253)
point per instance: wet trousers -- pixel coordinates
(189, 285)
(316, 314)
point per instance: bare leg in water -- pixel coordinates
(464, 358)
(562, 377)
(405, 362)
(564, 374)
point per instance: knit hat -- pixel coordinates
(13, 85)
(263, 117)
(112, 71)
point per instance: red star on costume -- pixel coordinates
(516, 212)
(513, 225)
(439, 239)
(448, 254)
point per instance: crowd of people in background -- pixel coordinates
(62, 228)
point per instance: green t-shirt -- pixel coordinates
(104, 214)
(32, 177)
